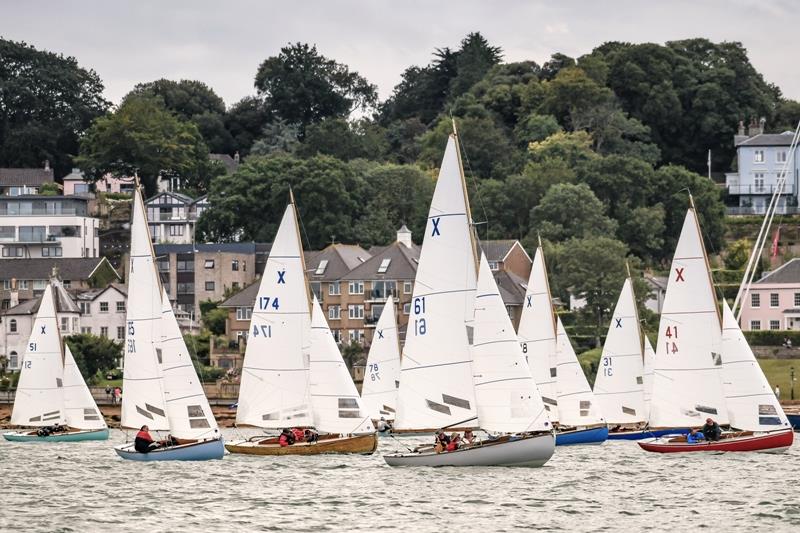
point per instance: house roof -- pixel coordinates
(789, 272)
(769, 139)
(512, 287)
(93, 294)
(227, 161)
(402, 264)
(42, 268)
(13, 177)
(245, 297)
(657, 282)
(497, 250)
(342, 258)
(64, 304)
(222, 247)
(179, 196)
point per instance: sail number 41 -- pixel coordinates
(672, 336)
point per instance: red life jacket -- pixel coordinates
(452, 446)
(299, 436)
(283, 440)
(144, 435)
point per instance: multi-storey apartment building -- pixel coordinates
(172, 217)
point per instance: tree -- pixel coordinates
(302, 87)
(46, 102)
(570, 211)
(142, 136)
(473, 61)
(94, 354)
(245, 121)
(737, 254)
(276, 137)
(535, 128)
(343, 140)
(215, 320)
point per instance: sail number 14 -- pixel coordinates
(420, 324)
(672, 336)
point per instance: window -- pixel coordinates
(321, 267)
(104, 307)
(8, 233)
(39, 284)
(23, 284)
(355, 287)
(120, 307)
(185, 288)
(235, 285)
(55, 251)
(209, 263)
(86, 330)
(32, 233)
(758, 181)
(755, 300)
(85, 308)
(163, 265)
(175, 230)
(758, 156)
(244, 313)
(384, 265)
(383, 289)
(781, 157)
(12, 251)
(797, 299)
(65, 324)
(337, 335)
(235, 265)
(407, 309)
(408, 287)
(104, 331)
(209, 285)
(74, 324)
(494, 265)
(334, 312)
(356, 335)
(334, 288)
(773, 299)
(13, 360)
(120, 332)
(12, 326)
(755, 325)
(355, 312)
(316, 289)
(185, 264)
(774, 324)
(67, 283)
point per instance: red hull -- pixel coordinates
(750, 443)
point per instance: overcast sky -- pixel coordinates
(222, 43)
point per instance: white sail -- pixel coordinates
(39, 400)
(505, 392)
(619, 385)
(142, 393)
(537, 334)
(334, 397)
(436, 387)
(752, 405)
(649, 364)
(382, 376)
(577, 405)
(80, 409)
(687, 379)
(189, 414)
(274, 385)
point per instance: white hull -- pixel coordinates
(534, 450)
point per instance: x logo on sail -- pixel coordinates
(435, 231)
(43, 331)
(530, 304)
(679, 274)
(380, 333)
(281, 279)
(619, 322)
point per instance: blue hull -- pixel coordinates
(582, 436)
(794, 421)
(79, 436)
(645, 434)
(196, 451)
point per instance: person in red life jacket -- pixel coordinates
(299, 435)
(144, 443)
(286, 438)
(452, 446)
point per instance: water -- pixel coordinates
(86, 487)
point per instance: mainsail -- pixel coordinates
(274, 385)
(752, 405)
(39, 399)
(436, 387)
(619, 385)
(576, 403)
(649, 364)
(382, 375)
(505, 392)
(80, 409)
(687, 379)
(537, 334)
(334, 397)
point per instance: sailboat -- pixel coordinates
(382, 376)
(508, 404)
(51, 389)
(162, 390)
(293, 373)
(702, 372)
(649, 364)
(555, 366)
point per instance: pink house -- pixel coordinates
(76, 184)
(774, 301)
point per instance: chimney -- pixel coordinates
(751, 127)
(741, 128)
(47, 164)
(236, 157)
(404, 236)
(762, 123)
(13, 297)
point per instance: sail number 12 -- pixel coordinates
(420, 324)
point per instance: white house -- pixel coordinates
(103, 311)
(172, 217)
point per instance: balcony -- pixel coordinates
(370, 321)
(766, 189)
(760, 210)
(379, 295)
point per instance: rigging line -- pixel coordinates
(474, 183)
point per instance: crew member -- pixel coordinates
(711, 430)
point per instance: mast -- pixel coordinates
(705, 258)
(636, 311)
(300, 247)
(547, 286)
(472, 236)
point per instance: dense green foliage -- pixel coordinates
(93, 353)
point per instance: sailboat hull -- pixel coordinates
(640, 434)
(530, 451)
(794, 421)
(595, 435)
(362, 444)
(777, 441)
(194, 451)
(71, 436)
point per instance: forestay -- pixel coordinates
(189, 414)
(505, 392)
(649, 363)
(537, 334)
(382, 376)
(751, 403)
(39, 399)
(687, 379)
(274, 384)
(334, 398)
(576, 403)
(143, 397)
(80, 409)
(436, 386)
(619, 385)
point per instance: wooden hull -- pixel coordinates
(193, 451)
(363, 444)
(776, 441)
(78, 435)
(531, 450)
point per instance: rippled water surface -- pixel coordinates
(86, 487)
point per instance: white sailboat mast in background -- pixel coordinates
(382, 375)
(436, 371)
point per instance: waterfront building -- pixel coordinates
(773, 302)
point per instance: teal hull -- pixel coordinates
(78, 436)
